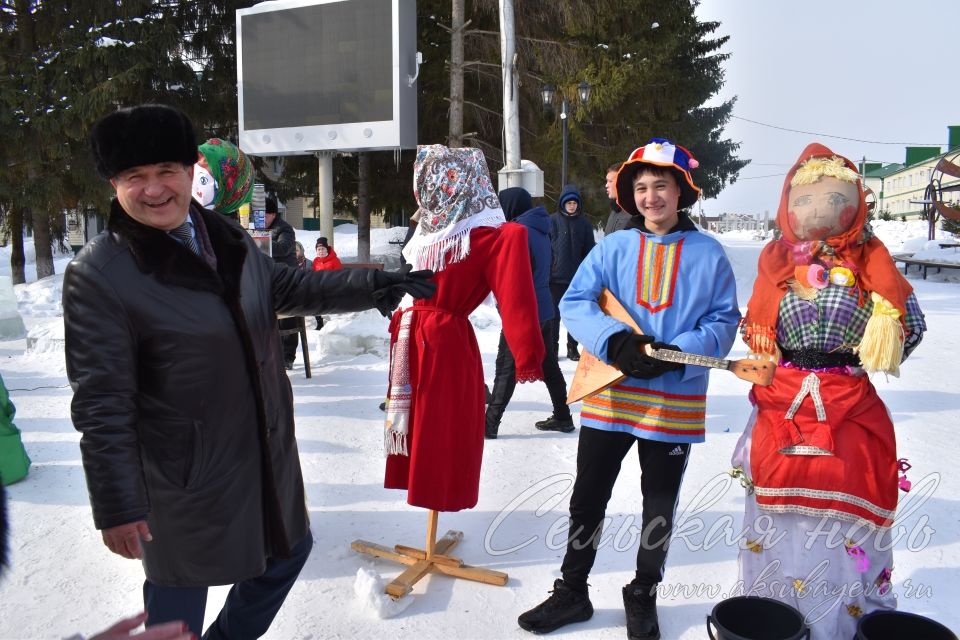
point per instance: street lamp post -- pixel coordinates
(547, 94)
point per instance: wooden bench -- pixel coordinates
(923, 265)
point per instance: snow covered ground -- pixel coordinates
(64, 580)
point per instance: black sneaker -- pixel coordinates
(564, 606)
(573, 354)
(640, 604)
(553, 423)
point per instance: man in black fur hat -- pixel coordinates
(179, 389)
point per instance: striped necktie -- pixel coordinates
(184, 235)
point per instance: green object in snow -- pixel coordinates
(14, 461)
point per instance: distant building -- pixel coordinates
(900, 188)
(737, 222)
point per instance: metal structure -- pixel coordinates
(547, 94)
(946, 168)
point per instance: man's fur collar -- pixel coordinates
(157, 253)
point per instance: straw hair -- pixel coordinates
(816, 168)
(882, 346)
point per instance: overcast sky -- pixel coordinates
(851, 68)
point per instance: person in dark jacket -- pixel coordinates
(571, 237)
(617, 219)
(175, 363)
(283, 248)
(518, 207)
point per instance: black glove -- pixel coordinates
(391, 286)
(626, 349)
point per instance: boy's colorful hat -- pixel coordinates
(661, 153)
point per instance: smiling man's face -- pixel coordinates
(157, 195)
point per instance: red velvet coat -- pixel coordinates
(445, 440)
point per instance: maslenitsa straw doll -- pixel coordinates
(818, 456)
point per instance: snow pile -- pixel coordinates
(42, 299)
(11, 324)
(46, 336)
(353, 334)
(369, 588)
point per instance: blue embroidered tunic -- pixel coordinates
(679, 288)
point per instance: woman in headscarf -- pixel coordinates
(435, 413)
(222, 177)
(818, 457)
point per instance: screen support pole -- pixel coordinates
(325, 194)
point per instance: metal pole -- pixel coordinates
(511, 118)
(325, 194)
(563, 166)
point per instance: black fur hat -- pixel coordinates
(146, 134)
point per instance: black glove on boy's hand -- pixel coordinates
(626, 349)
(391, 286)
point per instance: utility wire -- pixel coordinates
(61, 386)
(827, 135)
(772, 175)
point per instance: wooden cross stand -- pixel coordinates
(434, 558)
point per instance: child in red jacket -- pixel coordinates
(326, 260)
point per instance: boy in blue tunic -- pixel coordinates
(678, 286)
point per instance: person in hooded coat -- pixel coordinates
(571, 238)
(518, 207)
(435, 408)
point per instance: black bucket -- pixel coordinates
(755, 618)
(887, 625)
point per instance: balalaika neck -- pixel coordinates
(689, 358)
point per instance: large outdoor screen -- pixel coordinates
(326, 75)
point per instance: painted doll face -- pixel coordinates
(823, 209)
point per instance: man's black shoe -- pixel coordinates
(573, 354)
(288, 365)
(565, 605)
(640, 604)
(553, 423)
(490, 434)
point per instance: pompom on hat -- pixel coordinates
(146, 134)
(659, 152)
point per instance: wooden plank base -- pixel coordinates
(420, 563)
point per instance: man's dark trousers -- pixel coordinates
(249, 609)
(557, 289)
(599, 455)
(505, 380)
(290, 341)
